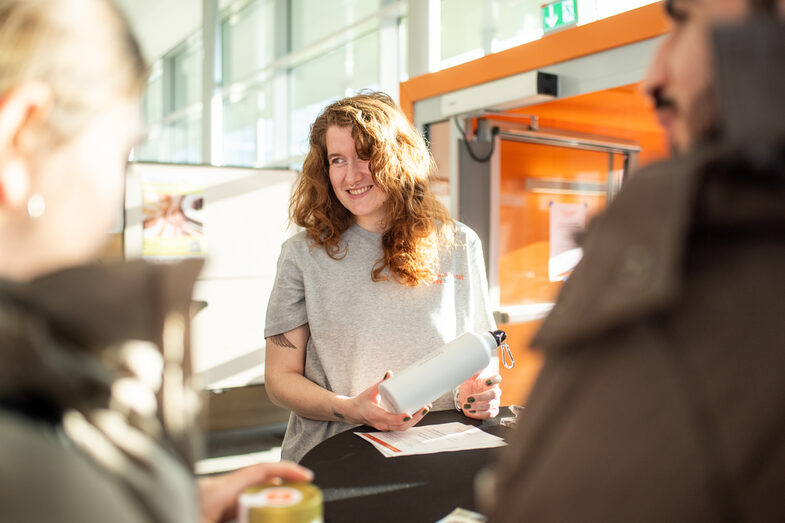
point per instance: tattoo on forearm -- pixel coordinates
(282, 341)
(338, 414)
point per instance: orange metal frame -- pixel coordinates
(626, 28)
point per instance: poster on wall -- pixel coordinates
(178, 210)
(173, 221)
(567, 220)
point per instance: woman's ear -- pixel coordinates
(14, 183)
(20, 111)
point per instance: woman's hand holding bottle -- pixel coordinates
(480, 395)
(366, 409)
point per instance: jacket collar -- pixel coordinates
(96, 306)
(54, 329)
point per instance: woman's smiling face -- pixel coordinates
(352, 181)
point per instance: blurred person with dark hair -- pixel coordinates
(662, 397)
(97, 403)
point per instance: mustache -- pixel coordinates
(662, 101)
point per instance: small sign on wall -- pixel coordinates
(567, 220)
(558, 15)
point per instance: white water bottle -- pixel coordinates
(439, 371)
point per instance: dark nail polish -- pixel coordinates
(472, 411)
(470, 400)
(424, 412)
(407, 418)
(467, 406)
(384, 377)
(489, 382)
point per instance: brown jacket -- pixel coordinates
(96, 403)
(662, 397)
(663, 393)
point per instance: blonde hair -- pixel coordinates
(417, 224)
(82, 49)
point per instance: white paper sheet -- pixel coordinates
(430, 439)
(461, 515)
(566, 220)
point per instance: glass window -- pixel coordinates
(606, 8)
(516, 22)
(316, 83)
(248, 41)
(153, 96)
(248, 127)
(153, 147)
(185, 136)
(313, 20)
(461, 31)
(187, 76)
(403, 49)
(472, 28)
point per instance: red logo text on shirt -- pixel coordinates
(443, 277)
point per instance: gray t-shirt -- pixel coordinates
(361, 328)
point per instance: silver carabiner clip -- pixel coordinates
(507, 354)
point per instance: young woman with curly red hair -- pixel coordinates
(380, 275)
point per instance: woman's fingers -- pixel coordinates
(490, 382)
(485, 404)
(401, 421)
(262, 472)
(483, 407)
(218, 494)
(485, 396)
(411, 420)
(483, 414)
(378, 418)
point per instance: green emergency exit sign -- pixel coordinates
(557, 15)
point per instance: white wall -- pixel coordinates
(245, 219)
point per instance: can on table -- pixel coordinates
(283, 503)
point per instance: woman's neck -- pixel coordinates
(371, 224)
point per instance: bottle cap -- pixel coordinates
(499, 336)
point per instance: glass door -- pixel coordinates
(550, 185)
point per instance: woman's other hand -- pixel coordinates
(218, 494)
(480, 396)
(366, 409)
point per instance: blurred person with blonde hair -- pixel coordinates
(380, 276)
(97, 403)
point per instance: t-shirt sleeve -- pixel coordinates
(482, 315)
(286, 308)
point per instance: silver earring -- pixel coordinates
(36, 206)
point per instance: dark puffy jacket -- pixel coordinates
(97, 407)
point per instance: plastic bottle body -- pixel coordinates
(438, 372)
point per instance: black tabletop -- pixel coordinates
(360, 484)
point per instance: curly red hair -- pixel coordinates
(417, 224)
